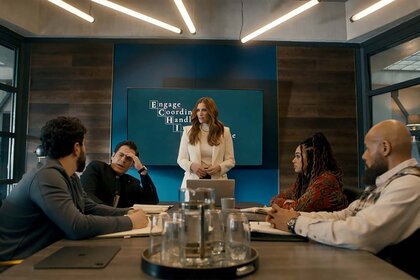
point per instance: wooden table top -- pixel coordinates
(278, 260)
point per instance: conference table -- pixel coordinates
(277, 260)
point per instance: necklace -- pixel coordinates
(205, 127)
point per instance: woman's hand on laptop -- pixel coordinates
(138, 218)
(214, 169)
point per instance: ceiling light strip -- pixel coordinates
(280, 20)
(72, 10)
(137, 15)
(185, 16)
(371, 9)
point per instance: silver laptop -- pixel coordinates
(222, 188)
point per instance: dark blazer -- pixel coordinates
(101, 183)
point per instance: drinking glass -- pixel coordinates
(183, 195)
(171, 253)
(215, 242)
(237, 237)
(155, 236)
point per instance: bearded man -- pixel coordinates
(386, 218)
(49, 202)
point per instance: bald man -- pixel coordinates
(387, 212)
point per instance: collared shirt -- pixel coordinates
(391, 218)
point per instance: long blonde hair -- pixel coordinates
(216, 127)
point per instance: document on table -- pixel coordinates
(265, 227)
(152, 209)
(263, 231)
(129, 233)
(256, 210)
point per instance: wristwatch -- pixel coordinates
(142, 169)
(291, 225)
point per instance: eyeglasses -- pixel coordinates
(122, 155)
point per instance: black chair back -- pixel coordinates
(404, 255)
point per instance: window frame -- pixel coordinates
(21, 88)
(400, 34)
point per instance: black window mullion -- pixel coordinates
(4, 87)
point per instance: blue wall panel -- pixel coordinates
(202, 66)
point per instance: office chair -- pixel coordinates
(352, 193)
(6, 264)
(403, 255)
(40, 154)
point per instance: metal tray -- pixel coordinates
(229, 270)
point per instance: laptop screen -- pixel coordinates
(222, 188)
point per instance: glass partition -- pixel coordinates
(8, 92)
(7, 66)
(402, 105)
(395, 65)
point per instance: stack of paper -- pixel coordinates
(265, 227)
(152, 209)
(263, 231)
(127, 234)
(256, 210)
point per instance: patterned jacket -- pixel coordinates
(323, 194)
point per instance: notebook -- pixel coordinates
(153, 209)
(79, 257)
(263, 231)
(222, 188)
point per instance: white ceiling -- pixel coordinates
(214, 19)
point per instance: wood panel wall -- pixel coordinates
(316, 92)
(71, 79)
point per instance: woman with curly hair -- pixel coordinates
(206, 148)
(318, 185)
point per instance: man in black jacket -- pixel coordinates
(109, 184)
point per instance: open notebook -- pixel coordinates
(263, 231)
(129, 233)
(152, 209)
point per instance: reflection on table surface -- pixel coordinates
(278, 260)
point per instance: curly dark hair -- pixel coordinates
(59, 135)
(128, 143)
(319, 160)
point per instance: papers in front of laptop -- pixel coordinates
(265, 227)
(129, 233)
(256, 210)
(152, 209)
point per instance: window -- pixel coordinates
(399, 105)
(395, 65)
(388, 82)
(8, 105)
